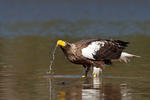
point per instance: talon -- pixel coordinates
(83, 76)
(94, 75)
(96, 71)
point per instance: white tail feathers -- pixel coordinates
(125, 57)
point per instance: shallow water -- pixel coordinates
(29, 31)
(25, 60)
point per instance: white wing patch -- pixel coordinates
(91, 49)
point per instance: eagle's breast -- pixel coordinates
(92, 48)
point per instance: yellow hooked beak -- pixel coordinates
(61, 43)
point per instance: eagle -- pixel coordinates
(95, 53)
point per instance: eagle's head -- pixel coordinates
(64, 45)
(61, 43)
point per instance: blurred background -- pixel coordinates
(29, 30)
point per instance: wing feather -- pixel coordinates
(110, 50)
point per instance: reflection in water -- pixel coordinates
(61, 95)
(125, 95)
(99, 91)
(51, 89)
(90, 89)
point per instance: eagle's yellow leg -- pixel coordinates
(96, 71)
(94, 75)
(85, 71)
(83, 76)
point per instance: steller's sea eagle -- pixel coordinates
(95, 53)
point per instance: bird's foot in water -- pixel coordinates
(83, 76)
(96, 71)
(95, 75)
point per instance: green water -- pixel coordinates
(25, 59)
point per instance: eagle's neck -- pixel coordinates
(70, 52)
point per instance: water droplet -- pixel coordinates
(51, 62)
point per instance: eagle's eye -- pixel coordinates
(61, 43)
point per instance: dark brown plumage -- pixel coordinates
(93, 52)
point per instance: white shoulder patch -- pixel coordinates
(91, 49)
